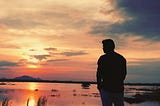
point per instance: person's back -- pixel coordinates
(112, 66)
(111, 73)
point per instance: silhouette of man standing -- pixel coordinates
(111, 73)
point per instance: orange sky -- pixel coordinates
(52, 39)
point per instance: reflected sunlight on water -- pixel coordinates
(32, 86)
(31, 102)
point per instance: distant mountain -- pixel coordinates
(28, 78)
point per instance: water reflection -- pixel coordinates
(51, 94)
(31, 101)
(32, 86)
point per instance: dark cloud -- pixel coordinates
(4, 65)
(50, 49)
(40, 57)
(145, 19)
(7, 63)
(73, 53)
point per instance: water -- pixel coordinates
(58, 94)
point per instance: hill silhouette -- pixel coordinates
(25, 77)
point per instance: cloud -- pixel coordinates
(73, 53)
(40, 57)
(50, 49)
(4, 68)
(4, 65)
(57, 60)
(153, 62)
(9, 46)
(6, 42)
(23, 62)
(54, 14)
(32, 49)
(144, 20)
(20, 23)
(8, 63)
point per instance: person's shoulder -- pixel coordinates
(120, 56)
(101, 58)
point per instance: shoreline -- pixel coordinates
(76, 82)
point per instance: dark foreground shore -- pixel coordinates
(148, 95)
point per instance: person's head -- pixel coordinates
(108, 45)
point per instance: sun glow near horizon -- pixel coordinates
(33, 66)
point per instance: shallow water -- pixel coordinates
(58, 94)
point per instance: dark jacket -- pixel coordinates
(111, 72)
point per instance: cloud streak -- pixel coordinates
(40, 57)
(8, 63)
(58, 60)
(4, 68)
(74, 53)
(50, 49)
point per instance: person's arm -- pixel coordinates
(99, 76)
(124, 69)
(99, 80)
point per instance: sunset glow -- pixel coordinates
(61, 40)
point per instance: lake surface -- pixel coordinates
(58, 94)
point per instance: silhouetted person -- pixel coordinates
(111, 73)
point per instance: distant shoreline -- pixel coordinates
(75, 82)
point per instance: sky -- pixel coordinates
(61, 39)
